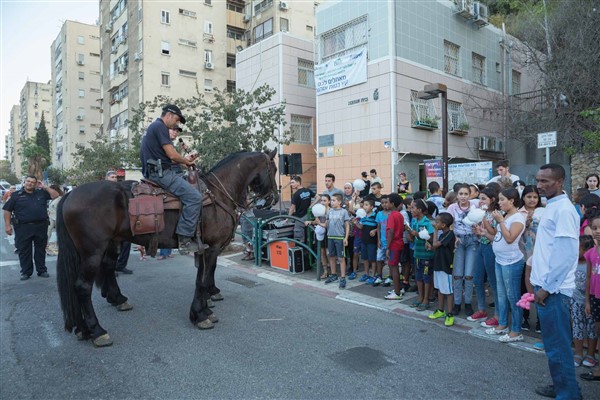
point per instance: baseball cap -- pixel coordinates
(175, 110)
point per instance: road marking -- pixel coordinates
(51, 335)
(270, 319)
(9, 263)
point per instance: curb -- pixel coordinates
(393, 307)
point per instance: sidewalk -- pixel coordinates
(368, 296)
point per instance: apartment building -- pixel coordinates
(75, 63)
(374, 57)
(13, 136)
(35, 101)
(178, 50)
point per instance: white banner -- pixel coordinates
(342, 72)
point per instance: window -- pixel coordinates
(261, 6)
(80, 58)
(478, 63)
(187, 74)
(82, 129)
(81, 75)
(81, 93)
(185, 42)
(309, 28)
(451, 58)
(165, 79)
(230, 60)
(516, 82)
(306, 73)
(343, 39)
(208, 27)
(165, 48)
(238, 6)
(187, 13)
(235, 33)
(80, 113)
(208, 56)
(165, 17)
(284, 25)
(457, 120)
(208, 85)
(263, 30)
(80, 40)
(230, 86)
(208, 2)
(301, 129)
(94, 55)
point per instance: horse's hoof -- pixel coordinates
(124, 306)
(213, 318)
(206, 324)
(217, 297)
(103, 341)
(81, 336)
(209, 303)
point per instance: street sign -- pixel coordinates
(546, 139)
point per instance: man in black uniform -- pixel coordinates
(300, 205)
(27, 211)
(158, 157)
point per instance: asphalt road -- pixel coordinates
(273, 341)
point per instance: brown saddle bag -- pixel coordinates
(146, 214)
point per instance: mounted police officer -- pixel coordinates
(27, 211)
(158, 157)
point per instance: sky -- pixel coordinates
(28, 30)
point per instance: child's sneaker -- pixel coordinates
(364, 278)
(456, 309)
(371, 280)
(538, 328)
(437, 314)
(331, 278)
(402, 291)
(342, 283)
(378, 281)
(387, 282)
(490, 323)
(393, 296)
(468, 310)
(539, 346)
(449, 320)
(352, 276)
(422, 307)
(478, 316)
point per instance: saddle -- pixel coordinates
(146, 207)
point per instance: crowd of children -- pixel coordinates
(450, 253)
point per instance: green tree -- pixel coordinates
(93, 159)
(57, 176)
(224, 123)
(6, 174)
(41, 136)
(35, 158)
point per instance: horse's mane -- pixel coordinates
(227, 159)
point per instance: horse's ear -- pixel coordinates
(273, 153)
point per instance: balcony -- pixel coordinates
(457, 119)
(423, 113)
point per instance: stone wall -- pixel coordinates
(582, 165)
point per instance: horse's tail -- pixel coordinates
(67, 270)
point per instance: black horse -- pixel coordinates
(92, 222)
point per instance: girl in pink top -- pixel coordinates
(592, 284)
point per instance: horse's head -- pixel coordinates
(263, 183)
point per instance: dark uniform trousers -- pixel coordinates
(32, 235)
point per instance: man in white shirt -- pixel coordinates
(554, 262)
(503, 169)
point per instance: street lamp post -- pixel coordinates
(432, 91)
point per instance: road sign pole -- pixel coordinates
(547, 155)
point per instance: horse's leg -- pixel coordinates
(110, 288)
(200, 313)
(83, 288)
(213, 290)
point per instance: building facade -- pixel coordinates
(75, 55)
(35, 101)
(179, 50)
(13, 136)
(374, 118)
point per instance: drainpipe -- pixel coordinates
(393, 101)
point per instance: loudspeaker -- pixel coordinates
(295, 164)
(284, 164)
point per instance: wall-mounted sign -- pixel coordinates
(341, 72)
(326, 140)
(357, 101)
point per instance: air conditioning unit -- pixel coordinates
(246, 18)
(108, 27)
(80, 118)
(209, 65)
(79, 62)
(283, 5)
(464, 8)
(137, 56)
(113, 49)
(481, 13)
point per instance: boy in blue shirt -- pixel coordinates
(368, 226)
(381, 218)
